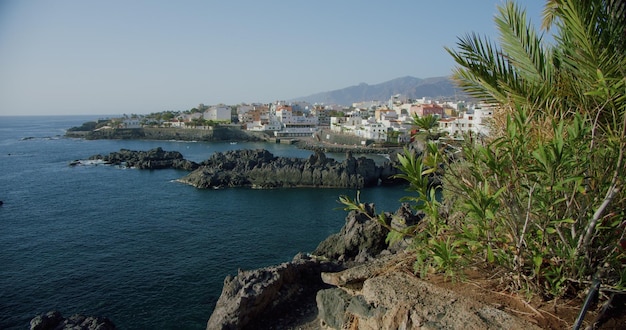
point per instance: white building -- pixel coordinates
(218, 113)
(294, 125)
(355, 125)
(131, 123)
(287, 117)
(374, 131)
(260, 127)
(475, 120)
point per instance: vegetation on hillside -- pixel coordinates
(543, 197)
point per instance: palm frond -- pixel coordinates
(549, 14)
(523, 46)
(481, 68)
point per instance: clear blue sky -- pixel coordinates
(119, 56)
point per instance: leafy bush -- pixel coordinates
(543, 197)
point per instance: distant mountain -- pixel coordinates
(408, 87)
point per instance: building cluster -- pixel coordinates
(393, 121)
(372, 120)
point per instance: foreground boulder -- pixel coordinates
(375, 296)
(260, 169)
(53, 320)
(259, 298)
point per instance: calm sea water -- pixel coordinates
(134, 245)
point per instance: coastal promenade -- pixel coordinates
(335, 143)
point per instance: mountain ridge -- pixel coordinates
(407, 86)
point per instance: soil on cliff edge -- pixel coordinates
(484, 285)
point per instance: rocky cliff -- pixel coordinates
(353, 280)
(261, 169)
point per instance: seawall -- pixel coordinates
(220, 133)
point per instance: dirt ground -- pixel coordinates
(484, 285)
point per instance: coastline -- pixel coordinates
(338, 143)
(314, 322)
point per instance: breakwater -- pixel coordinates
(219, 133)
(343, 148)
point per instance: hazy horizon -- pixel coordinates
(73, 57)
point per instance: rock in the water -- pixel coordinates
(53, 320)
(361, 238)
(260, 169)
(152, 159)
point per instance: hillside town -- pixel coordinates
(372, 121)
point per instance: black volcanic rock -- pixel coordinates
(260, 298)
(281, 296)
(152, 159)
(260, 169)
(53, 320)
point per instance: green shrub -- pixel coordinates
(543, 197)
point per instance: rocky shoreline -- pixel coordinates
(353, 280)
(223, 133)
(258, 169)
(153, 159)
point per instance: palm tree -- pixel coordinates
(550, 80)
(427, 126)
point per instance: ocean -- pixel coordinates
(135, 245)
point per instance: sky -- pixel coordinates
(68, 57)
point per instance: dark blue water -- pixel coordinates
(134, 245)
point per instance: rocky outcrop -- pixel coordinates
(360, 283)
(376, 296)
(53, 320)
(259, 298)
(269, 296)
(363, 237)
(377, 291)
(260, 169)
(152, 159)
(255, 168)
(360, 238)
